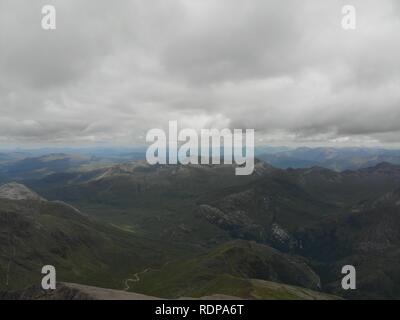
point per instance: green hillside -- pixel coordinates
(239, 268)
(37, 233)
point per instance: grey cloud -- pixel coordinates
(112, 71)
(233, 40)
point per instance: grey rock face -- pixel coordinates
(17, 191)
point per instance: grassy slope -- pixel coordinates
(230, 269)
(33, 234)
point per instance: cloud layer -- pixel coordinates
(112, 71)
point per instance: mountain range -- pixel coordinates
(337, 159)
(193, 231)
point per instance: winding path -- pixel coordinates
(136, 277)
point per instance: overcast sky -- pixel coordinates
(115, 69)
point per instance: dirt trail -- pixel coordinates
(136, 277)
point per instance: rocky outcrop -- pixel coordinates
(72, 291)
(236, 222)
(17, 191)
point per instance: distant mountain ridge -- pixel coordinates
(337, 159)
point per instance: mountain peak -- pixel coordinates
(17, 191)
